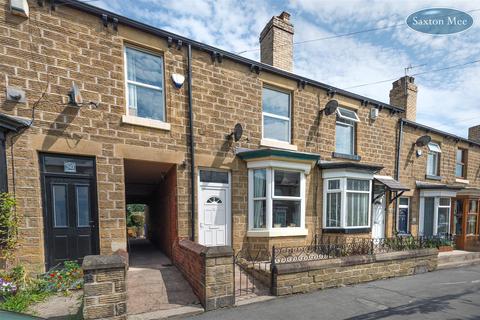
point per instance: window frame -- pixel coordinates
(345, 121)
(476, 214)
(343, 206)
(269, 229)
(403, 206)
(434, 150)
(272, 115)
(463, 163)
(438, 206)
(144, 85)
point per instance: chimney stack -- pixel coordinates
(474, 133)
(276, 42)
(404, 94)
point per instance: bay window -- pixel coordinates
(276, 199)
(347, 203)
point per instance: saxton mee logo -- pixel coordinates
(439, 21)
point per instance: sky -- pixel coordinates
(447, 100)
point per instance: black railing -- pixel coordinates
(251, 267)
(327, 247)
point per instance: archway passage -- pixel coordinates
(154, 283)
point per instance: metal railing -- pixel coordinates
(251, 267)
(328, 247)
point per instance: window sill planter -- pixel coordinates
(277, 144)
(144, 122)
(354, 157)
(347, 230)
(430, 177)
(277, 232)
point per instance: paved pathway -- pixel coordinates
(445, 294)
(153, 283)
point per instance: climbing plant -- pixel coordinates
(8, 226)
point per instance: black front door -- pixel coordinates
(69, 208)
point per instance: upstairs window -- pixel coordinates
(433, 159)
(460, 164)
(145, 84)
(276, 110)
(345, 131)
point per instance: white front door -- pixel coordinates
(378, 219)
(214, 213)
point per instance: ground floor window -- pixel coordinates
(436, 216)
(347, 202)
(276, 198)
(403, 215)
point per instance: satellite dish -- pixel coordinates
(75, 98)
(331, 107)
(237, 132)
(423, 141)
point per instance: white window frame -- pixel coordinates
(271, 115)
(343, 176)
(343, 120)
(346, 117)
(140, 84)
(434, 150)
(403, 206)
(270, 166)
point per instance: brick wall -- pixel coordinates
(314, 275)
(414, 168)
(65, 45)
(209, 271)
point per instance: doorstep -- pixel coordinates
(179, 312)
(457, 258)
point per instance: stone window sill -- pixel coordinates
(277, 144)
(347, 230)
(277, 232)
(460, 180)
(346, 156)
(437, 178)
(144, 122)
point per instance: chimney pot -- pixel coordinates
(276, 42)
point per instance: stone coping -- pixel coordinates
(303, 266)
(208, 252)
(96, 262)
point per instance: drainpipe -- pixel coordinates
(397, 168)
(3, 163)
(192, 142)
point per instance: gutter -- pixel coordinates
(192, 142)
(113, 18)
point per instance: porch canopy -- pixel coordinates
(391, 184)
(422, 185)
(7, 124)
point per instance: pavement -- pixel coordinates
(156, 288)
(446, 294)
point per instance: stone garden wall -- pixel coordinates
(301, 277)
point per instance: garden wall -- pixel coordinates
(306, 276)
(209, 270)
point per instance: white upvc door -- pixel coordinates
(378, 218)
(214, 214)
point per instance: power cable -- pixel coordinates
(457, 66)
(339, 35)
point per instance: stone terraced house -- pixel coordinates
(223, 150)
